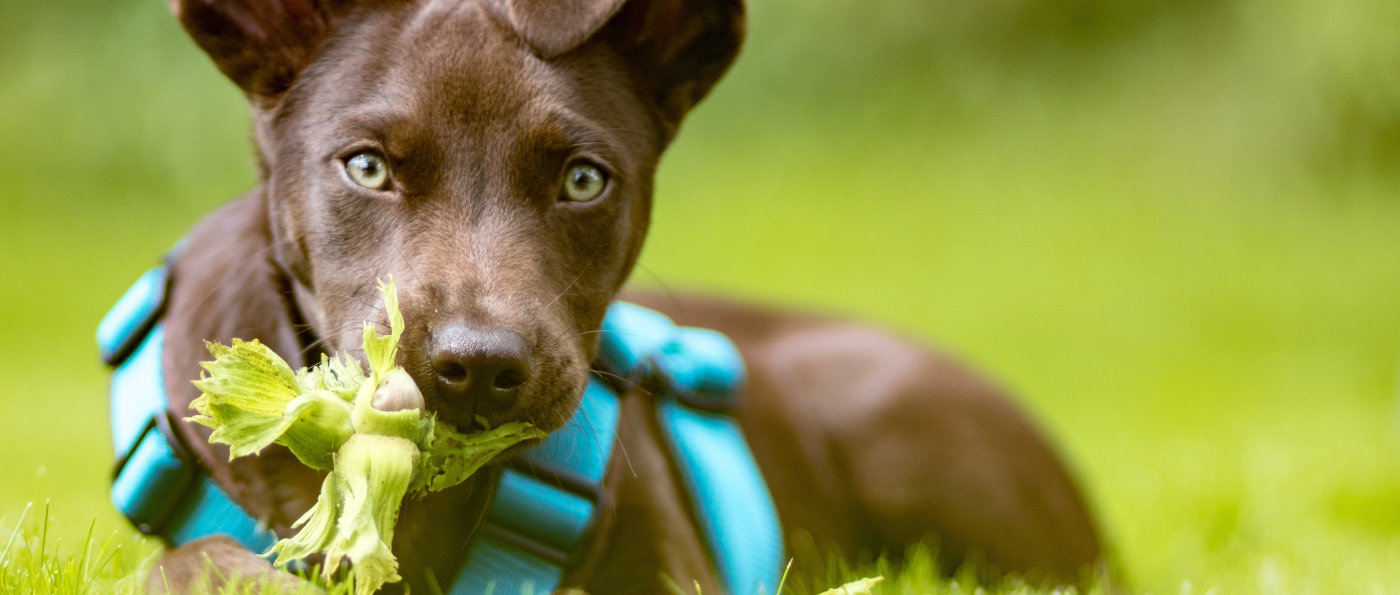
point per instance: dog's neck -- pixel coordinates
(224, 285)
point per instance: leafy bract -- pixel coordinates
(403, 422)
(381, 350)
(372, 476)
(452, 457)
(369, 430)
(341, 375)
(315, 528)
(354, 517)
(314, 426)
(246, 390)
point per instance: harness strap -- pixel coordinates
(545, 504)
(703, 374)
(157, 483)
(548, 499)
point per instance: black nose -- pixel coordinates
(484, 367)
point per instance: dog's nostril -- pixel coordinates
(485, 367)
(509, 379)
(449, 370)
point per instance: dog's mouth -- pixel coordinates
(476, 368)
(478, 380)
(546, 403)
(475, 427)
(545, 397)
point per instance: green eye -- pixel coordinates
(368, 169)
(583, 182)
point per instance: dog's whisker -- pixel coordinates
(628, 382)
(615, 436)
(622, 447)
(559, 337)
(323, 340)
(571, 284)
(413, 270)
(662, 286)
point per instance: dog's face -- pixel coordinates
(495, 158)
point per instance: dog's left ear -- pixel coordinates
(679, 49)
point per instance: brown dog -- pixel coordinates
(496, 157)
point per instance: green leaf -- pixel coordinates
(248, 376)
(329, 416)
(381, 350)
(315, 528)
(314, 426)
(372, 476)
(452, 457)
(404, 423)
(245, 433)
(341, 375)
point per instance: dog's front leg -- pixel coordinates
(211, 564)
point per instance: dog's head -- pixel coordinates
(494, 156)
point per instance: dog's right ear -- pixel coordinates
(259, 44)
(553, 27)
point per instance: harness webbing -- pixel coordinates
(547, 500)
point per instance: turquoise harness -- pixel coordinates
(547, 500)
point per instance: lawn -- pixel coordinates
(1171, 230)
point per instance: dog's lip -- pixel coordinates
(466, 423)
(459, 421)
(467, 427)
(474, 426)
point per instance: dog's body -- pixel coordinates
(517, 142)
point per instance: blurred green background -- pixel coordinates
(1171, 227)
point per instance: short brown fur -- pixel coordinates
(869, 442)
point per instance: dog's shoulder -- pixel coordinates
(223, 285)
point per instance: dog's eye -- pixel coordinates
(584, 182)
(368, 169)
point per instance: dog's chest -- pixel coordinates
(649, 475)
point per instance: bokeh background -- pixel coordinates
(1171, 227)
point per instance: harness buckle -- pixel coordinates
(701, 367)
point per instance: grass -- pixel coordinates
(1174, 238)
(33, 561)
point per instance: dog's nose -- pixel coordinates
(485, 367)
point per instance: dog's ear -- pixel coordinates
(553, 27)
(260, 44)
(679, 48)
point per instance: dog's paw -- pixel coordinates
(217, 563)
